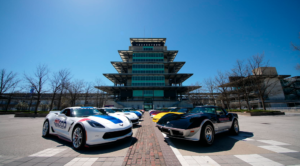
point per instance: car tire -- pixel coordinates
(207, 135)
(235, 128)
(78, 137)
(46, 127)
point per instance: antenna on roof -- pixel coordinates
(151, 32)
(144, 31)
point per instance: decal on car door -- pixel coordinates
(60, 123)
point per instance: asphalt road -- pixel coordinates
(23, 136)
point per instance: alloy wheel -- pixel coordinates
(77, 137)
(45, 128)
(208, 133)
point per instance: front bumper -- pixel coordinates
(96, 138)
(135, 121)
(186, 134)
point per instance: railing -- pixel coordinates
(140, 48)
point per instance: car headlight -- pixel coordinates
(128, 119)
(95, 124)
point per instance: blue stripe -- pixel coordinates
(110, 118)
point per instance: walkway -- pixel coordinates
(149, 147)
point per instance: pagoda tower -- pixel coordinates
(148, 77)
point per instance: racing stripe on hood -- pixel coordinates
(110, 118)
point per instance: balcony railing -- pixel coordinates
(140, 48)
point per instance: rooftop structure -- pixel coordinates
(147, 76)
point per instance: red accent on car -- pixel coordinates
(82, 120)
(223, 119)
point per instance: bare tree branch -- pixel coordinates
(38, 81)
(64, 77)
(296, 48)
(8, 81)
(74, 89)
(55, 85)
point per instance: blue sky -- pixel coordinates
(84, 35)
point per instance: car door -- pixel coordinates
(223, 118)
(58, 122)
(68, 120)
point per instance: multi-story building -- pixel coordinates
(148, 76)
(279, 90)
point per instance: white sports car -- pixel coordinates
(86, 126)
(114, 111)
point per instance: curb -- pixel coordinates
(30, 115)
(259, 113)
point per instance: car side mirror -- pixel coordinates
(62, 115)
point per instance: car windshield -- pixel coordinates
(203, 110)
(110, 111)
(85, 112)
(117, 110)
(164, 110)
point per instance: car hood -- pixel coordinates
(161, 114)
(107, 119)
(181, 121)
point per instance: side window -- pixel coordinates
(103, 111)
(211, 110)
(220, 111)
(67, 112)
(62, 111)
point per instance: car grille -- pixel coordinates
(116, 133)
(134, 121)
(177, 133)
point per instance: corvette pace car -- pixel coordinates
(200, 124)
(114, 111)
(86, 126)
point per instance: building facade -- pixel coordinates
(148, 77)
(279, 90)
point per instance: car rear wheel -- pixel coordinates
(207, 135)
(45, 129)
(235, 128)
(78, 137)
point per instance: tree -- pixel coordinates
(13, 91)
(297, 48)
(74, 89)
(222, 79)
(88, 88)
(242, 85)
(210, 87)
(261, 79)
(37, 82)
(55, 85)
(64, 77)
(8, 81)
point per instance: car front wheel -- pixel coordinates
(235, 128)
(207, 135)
(78, 137)
(45, 129)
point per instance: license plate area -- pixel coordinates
(166, 131)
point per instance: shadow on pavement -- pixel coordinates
(101, 149)
(222, 142)
(137, 126)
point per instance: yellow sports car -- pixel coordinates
(172, 111)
